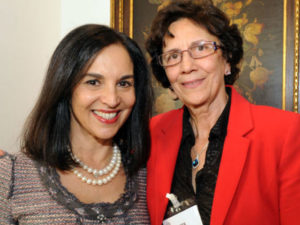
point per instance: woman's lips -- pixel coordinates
(193, 83)
(107, 116)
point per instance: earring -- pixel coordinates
(227, 73)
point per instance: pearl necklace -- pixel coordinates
(113, 167)
(96, 172)
(195, 162)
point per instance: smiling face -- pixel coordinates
(103, 99)
(196, 82)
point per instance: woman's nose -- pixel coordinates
(110, 97)
(186, 63)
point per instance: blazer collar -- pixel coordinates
(233, 157)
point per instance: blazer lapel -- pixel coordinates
(165, 169)
(166, 144)
(233, 157)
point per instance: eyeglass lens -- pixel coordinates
(197, 51)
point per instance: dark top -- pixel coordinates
(206, 177)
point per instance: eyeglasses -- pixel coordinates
(196, 51)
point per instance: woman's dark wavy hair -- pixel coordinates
(204, 14)
(47, 130)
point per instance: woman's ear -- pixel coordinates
(227, 70)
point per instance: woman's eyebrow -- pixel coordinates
(95, 75)
(127, 77)
(100, 76)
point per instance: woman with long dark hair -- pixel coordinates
(86, 142)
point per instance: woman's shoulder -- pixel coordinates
(6, 160)
(279, 123)
(2, 153)
(11, 164)
(6, 173)
(269, 113)
(170, 113)
(165, 118)
(241, 104)
(14, 158)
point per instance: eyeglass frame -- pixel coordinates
(214, 44)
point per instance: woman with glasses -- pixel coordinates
(235, 162)
(86, 143)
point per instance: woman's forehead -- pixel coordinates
(184, 32)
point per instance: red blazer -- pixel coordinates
(259, 175)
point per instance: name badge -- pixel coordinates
(188, 216)
(183, 213)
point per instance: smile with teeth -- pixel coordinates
(105, 115)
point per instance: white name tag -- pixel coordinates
(189, 216)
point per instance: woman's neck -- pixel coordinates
(93, 152)
(204, 117)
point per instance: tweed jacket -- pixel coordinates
(28, 197)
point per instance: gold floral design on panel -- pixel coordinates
(251, 29)
(232, 9)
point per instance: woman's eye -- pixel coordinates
(172, 56)
(200, 48)
(125, 83)
(92, 82)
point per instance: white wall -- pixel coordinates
(30, 31)
(77, 12)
